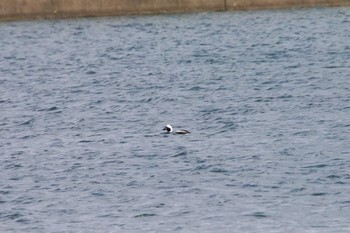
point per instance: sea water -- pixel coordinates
(265, 94)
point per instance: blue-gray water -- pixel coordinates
(266, 95)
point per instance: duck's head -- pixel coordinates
(168, 128)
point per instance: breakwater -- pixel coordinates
(33, 9)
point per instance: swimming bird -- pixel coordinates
(169, 129)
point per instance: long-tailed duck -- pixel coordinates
(169, 129)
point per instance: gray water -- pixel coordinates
(266, 95)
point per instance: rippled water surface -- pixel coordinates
(266, 95)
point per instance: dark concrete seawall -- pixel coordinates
(32, 9)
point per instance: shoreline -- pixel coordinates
(11, 10)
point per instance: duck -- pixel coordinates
(169, 129)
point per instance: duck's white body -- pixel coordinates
(169, 129)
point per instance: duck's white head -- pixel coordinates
(168, 128)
